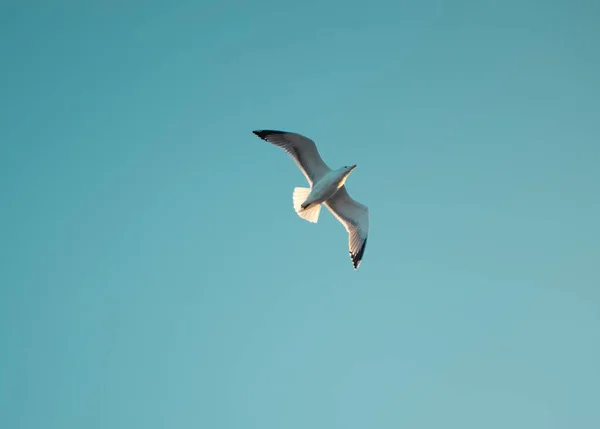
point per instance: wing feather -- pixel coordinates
(355, 218)
(301, 149)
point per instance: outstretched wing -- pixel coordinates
(355, 218)
(301, 149)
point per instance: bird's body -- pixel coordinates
(327, 188)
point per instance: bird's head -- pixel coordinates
(345, 172)
(348, 169)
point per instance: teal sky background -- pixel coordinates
(153, 273)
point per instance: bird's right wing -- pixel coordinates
(301, 149)
(355, 218)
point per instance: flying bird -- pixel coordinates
(327, 187)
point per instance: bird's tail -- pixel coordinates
(310, 213)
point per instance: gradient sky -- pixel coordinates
(153, 273)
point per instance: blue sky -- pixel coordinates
(154, 274)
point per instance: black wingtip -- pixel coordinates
(356, 259)
(263, 134)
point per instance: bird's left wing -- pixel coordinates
(301, 149)
(355, 218)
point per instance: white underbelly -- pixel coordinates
(323, 190)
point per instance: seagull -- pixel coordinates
(327, 187)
